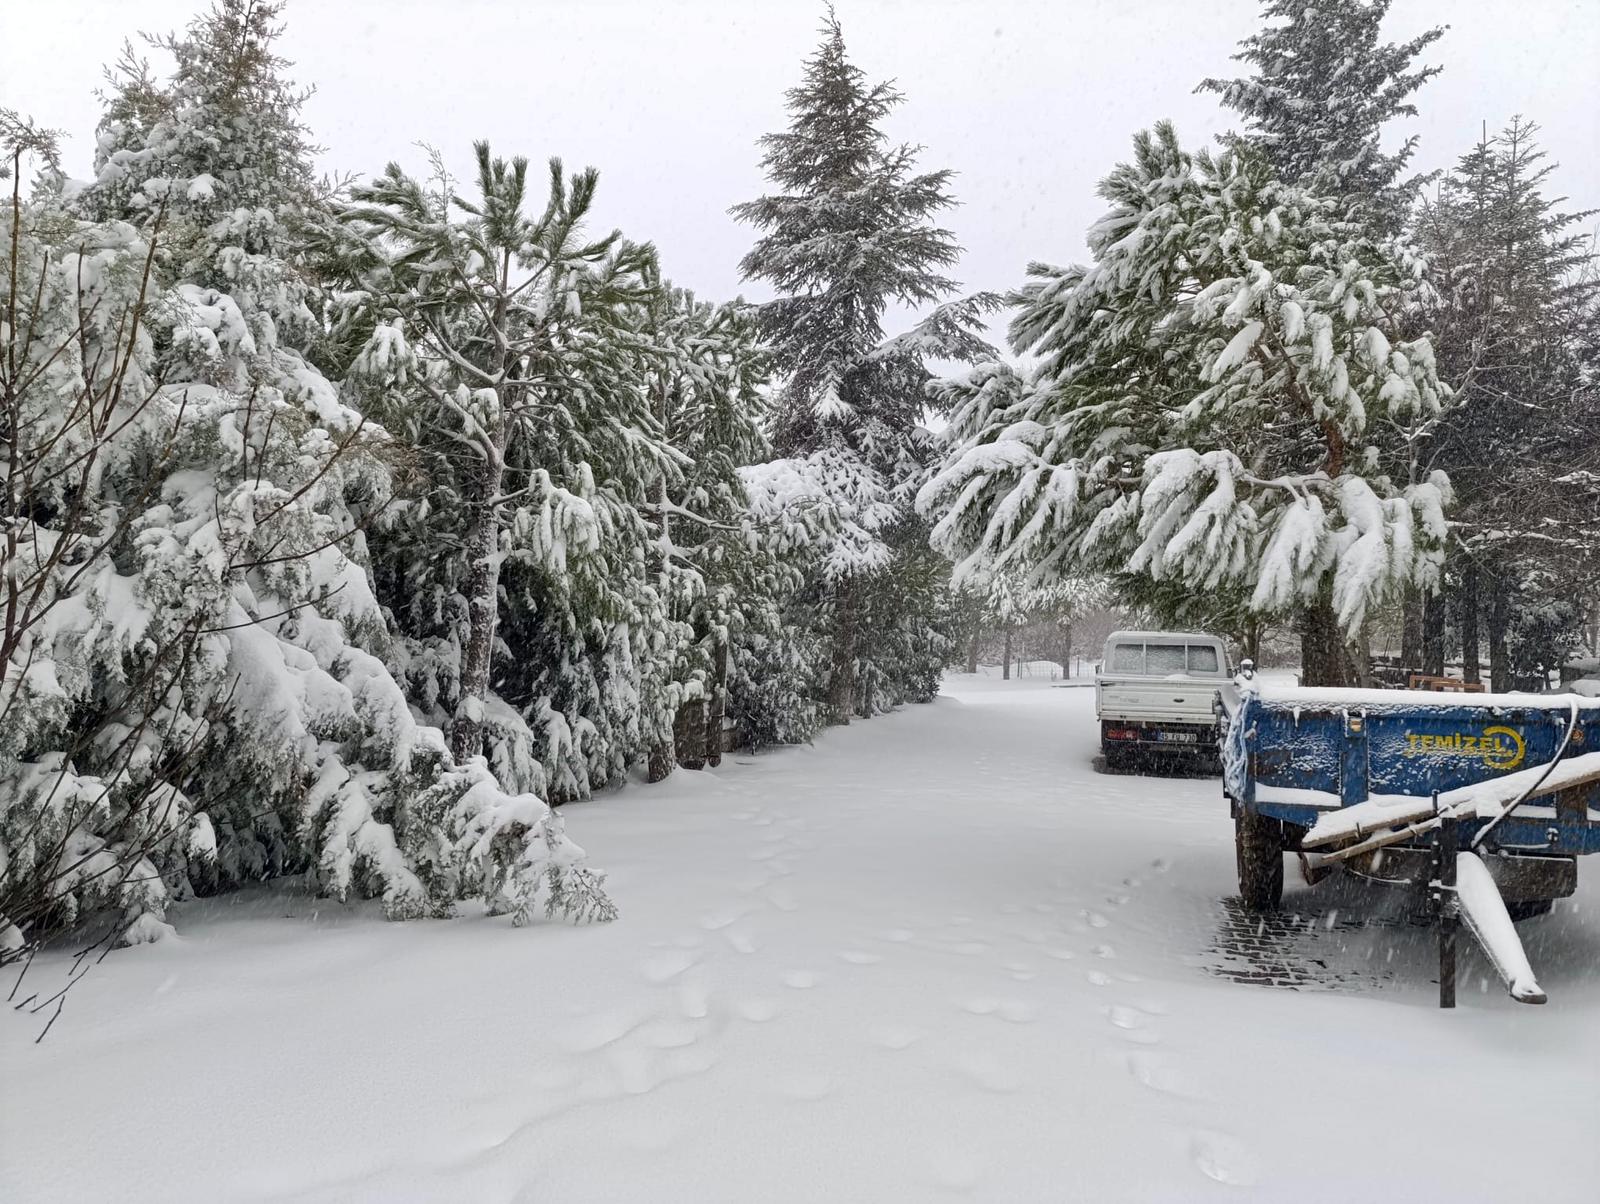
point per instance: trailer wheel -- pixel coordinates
(1258, 844)
(1529, 909)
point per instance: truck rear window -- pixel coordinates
(1127, 658)
(1163, 660)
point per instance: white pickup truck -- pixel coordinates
(1154, 691)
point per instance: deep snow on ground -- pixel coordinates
(933, 956)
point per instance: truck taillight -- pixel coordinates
(1121, 733)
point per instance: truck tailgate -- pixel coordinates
(1157, 700)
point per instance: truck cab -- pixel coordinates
(1154, 692)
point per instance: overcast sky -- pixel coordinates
(1029, 101)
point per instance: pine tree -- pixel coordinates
(513, 321)
(1204, 406)
(1517, 314)
(1325, 85)
(852, 231)
(195, 679)
(707, 365)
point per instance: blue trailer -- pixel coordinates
(1480, 803)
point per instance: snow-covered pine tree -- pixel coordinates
(707, 363)
(1516, 311)
(209, 700)
(1324, 86)
(851, 231)
(1204, 403)
(1324, 89)
(523, 394)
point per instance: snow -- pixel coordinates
(1485, 914)
(933, 955)
(1378, 699)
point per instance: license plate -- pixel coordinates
(1178, 737)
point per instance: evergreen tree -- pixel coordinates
(707, 364)
(1204, 403)
(1516, 308)
(851, 231)
(195, 676)
(1324, 87)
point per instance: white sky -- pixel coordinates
(1030, 101)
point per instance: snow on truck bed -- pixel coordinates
(1399, 700)
(933, 957)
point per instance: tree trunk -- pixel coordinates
(1248, 638)
(1323, 660)
(665, 756)
(689, 734)
(842, 682)
(972, 651)
(718, 709)
(1411, 629)
(1066, 650)
(1470, 670)
(661, 763)
(483, 603)
(1005, 656)
(1499, 647)
(1433, 622)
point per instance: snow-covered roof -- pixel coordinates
(1156, 636)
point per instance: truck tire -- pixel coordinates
(1258, 845)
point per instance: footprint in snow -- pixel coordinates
(781, 897)
(758, 1011)
(718, 920)
(1013, 1011)
(956, 1170)
(1096, 920)
(600, 1029)
(1223, 1158)
(1105, 951)
(1125, 1017)
(672, 1034)
(859, 957)
(896, 1038)
(898, 935)
(666, 967)
(1158, 1074)
(694, 1001)
(1099, 978)
(740, 940)
(800, 980)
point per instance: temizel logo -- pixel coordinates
(1496, 747)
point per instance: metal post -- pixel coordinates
(1449, 910)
